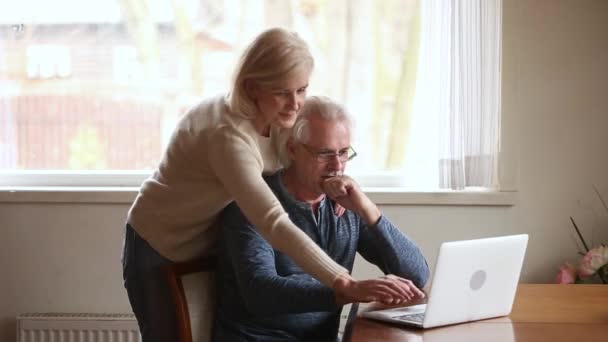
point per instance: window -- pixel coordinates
(104, 83)
(126, 68)
(48, 61)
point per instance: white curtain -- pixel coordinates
(458, 91)
(8, 124)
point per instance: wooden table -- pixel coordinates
(541, 312)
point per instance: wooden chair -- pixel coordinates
(193, 281)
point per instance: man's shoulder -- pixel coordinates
(232, 215)
(273, 180)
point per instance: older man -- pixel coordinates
(263, 295)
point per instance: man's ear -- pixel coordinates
(251, 89)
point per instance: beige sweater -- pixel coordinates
(213, 158)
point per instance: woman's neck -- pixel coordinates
(261, 126)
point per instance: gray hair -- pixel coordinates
(274, 56)
(323, 106)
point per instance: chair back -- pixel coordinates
(192, 286)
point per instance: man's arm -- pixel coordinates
(393, 252)
(253, 265)
(379, 241)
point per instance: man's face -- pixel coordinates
(310, 169)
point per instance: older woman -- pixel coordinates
(216, 155)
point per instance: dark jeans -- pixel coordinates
(148, 289)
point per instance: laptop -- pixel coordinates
(473, 280)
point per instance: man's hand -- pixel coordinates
(347, 193)
(389, 289)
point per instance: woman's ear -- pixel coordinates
(251, 89)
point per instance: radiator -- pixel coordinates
(77, 327)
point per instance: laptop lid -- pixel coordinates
(473, 279)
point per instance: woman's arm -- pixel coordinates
(249, 261)
(237, 163)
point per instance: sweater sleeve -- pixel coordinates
(392, 251)
(253, 267)
(237, 163)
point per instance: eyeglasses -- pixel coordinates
(325, 156)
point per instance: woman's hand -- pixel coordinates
(388, 289)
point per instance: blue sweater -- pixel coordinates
(264, 296)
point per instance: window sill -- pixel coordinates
(381, 196)
(401, 196)
(65, 194)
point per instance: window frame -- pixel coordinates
(122, 186)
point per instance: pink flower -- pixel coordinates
(566, 274)
(593, 261)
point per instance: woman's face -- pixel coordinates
(279, 105)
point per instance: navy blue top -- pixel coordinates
(264, 296)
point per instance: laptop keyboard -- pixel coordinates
(418, 318)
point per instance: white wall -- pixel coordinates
(66, 257)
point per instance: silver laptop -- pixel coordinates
(473, 280)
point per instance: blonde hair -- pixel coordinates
(274, 56)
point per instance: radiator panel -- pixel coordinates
(82, 327)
